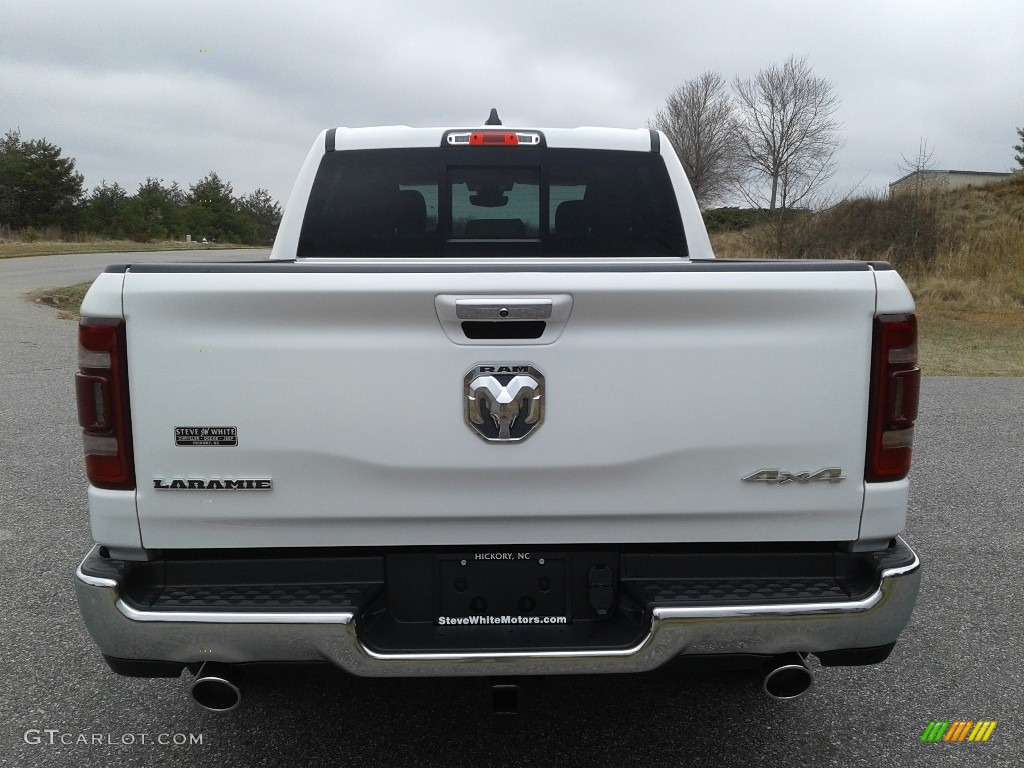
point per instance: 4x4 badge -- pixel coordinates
(777, 476)
(504, 402)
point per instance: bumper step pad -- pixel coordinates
(664, 592)
(357, 611)
(254, 597)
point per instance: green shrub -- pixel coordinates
(732, 219)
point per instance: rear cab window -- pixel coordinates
(530, 201)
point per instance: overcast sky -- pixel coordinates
(136, 88)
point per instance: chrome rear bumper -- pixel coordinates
(124, 632)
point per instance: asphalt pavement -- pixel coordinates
(60, 705)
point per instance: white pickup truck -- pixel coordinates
(494, 409)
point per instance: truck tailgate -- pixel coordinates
(663, 389)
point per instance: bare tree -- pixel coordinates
(788, 136)
(918, 164)
(916, 212)
(699, 120)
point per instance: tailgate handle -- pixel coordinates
(510, 319)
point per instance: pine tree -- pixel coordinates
(38, 187)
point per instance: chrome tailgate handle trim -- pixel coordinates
(491, 309)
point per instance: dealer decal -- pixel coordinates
(196, 437)
(453, 621)
(219, 484)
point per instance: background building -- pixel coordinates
(922, 181)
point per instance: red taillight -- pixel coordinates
(895, 391)
(493, 138)
(101, 387)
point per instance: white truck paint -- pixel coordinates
(705, 423)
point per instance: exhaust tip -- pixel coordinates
(787, 677)
(217, 687)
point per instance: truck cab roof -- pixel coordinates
(585, 137)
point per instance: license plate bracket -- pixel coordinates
(501, 585)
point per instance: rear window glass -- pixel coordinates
(528, 201)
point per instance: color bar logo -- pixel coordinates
(958, 730)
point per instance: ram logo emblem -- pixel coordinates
(504, 402)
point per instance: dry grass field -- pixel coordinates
(961, 253)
